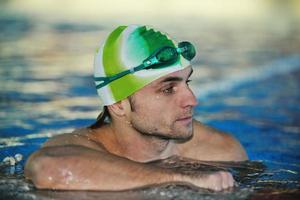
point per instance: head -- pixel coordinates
(153, 99)
(164, 108)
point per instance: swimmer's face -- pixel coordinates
(164, 108)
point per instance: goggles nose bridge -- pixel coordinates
(181, 50)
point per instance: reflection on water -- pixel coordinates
(246, 79)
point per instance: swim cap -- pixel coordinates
(127, 47)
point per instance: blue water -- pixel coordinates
(267, 123)
(47, 89)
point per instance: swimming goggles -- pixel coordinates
(161, 58)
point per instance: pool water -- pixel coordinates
(244, 87)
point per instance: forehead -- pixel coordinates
(183, 74)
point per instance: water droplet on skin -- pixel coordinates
(128, 122)
(69, 176)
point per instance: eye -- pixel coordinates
(169, 90)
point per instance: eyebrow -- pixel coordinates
(175, 78)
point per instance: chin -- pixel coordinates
(178, 136)
(182, 136)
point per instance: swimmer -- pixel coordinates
(142, 77)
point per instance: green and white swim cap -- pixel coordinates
(127, 47)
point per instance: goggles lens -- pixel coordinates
(187, 50)
(167, 54)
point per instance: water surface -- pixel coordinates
(246, 83)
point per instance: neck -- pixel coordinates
(127, 142)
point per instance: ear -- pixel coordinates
(120, 108)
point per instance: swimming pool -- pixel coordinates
(247, 88)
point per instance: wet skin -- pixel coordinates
(155, 123)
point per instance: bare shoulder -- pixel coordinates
(211, 144)
(78, 137)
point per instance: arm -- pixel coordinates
(75, 167)
(79, 168)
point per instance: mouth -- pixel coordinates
(185, 120)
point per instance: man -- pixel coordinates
(142, 78)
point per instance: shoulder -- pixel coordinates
(211, 144)
(78, 137)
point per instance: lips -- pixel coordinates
(185, 120)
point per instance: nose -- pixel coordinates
(188, 98)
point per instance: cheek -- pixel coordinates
(156, 105)
(162, 108)
(160, 103)
(152, 107)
